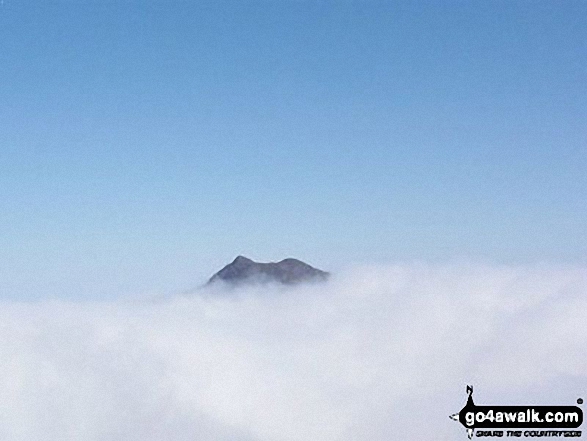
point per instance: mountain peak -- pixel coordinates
(288, 271)
(241, 260)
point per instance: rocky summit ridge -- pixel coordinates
(287, 271)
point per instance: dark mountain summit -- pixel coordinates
(288, 272)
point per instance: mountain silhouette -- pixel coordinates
(288, 272)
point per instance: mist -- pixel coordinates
(377, 353)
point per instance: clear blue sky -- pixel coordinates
(143, 144)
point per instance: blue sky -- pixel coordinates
(144, 144)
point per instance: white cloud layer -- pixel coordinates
(378, 353)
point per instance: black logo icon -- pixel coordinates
(515, 417)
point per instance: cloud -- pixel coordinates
(378, 353)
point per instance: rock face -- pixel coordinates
(287, 272)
